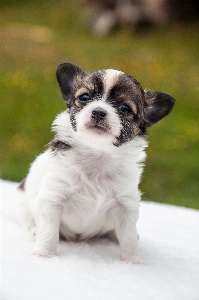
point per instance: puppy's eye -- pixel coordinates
(125, 109)
(84, 98)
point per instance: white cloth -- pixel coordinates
(169, 242)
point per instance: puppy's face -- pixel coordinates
(108, 106)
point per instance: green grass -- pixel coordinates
(37, 36)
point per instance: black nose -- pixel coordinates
(98, 114)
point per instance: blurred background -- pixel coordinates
(155, 41)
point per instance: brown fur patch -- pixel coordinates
(81, 92)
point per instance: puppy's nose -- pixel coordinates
(98, 114)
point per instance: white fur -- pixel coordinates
(110, 78)
(88, 190)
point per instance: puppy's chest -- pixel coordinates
(96, 181)
(97, 175)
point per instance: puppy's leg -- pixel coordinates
(125, 227)
(47, 236)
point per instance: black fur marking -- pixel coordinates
(73, 121)
(21, 186)
(128, 91)
(57, 145)
(97, 81)
(93, 82)
(126, 132)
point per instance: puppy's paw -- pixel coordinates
(42, 253)
(138, 260)
(134, 259)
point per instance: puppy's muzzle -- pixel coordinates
(98, 115)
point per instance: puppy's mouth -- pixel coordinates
(99, 128)
(98, 121)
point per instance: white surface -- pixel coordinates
(169, 242)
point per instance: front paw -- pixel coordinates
(42, 253)
(134, 259)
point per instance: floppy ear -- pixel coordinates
(158, 106)
(67, 76)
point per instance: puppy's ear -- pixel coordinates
(68, 75)
(158, 106)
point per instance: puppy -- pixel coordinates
(86, 183)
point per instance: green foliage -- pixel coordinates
(36, 38)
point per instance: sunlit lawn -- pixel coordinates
(37, 36)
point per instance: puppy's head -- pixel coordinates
(108, 106)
